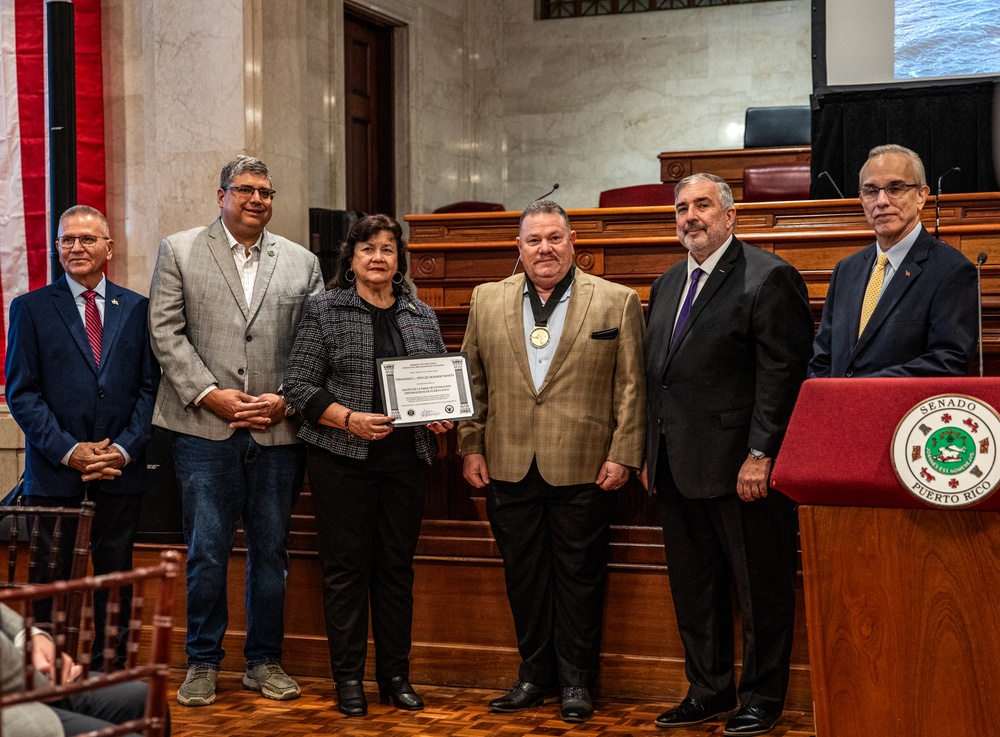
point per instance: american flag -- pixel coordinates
(24, 237)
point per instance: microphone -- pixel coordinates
(836, 189)
(937, 200)
(554, 188)
(979, 290)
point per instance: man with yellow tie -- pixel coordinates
(905, 306)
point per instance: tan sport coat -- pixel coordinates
(591, 406)
(203, 332)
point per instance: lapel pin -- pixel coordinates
(412, 307)
(907, 273)
(114, 302)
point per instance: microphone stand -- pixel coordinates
(979, 290)
(937, 200)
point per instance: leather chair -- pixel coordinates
(776, 182)
(155, 584)
(639, 195)
(778, 126)
(471, 206)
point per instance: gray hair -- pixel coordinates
(85, 210)
(242, 165)
(725, 193)
(894, 148)
(544, 207)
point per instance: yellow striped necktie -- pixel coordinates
(872, 292)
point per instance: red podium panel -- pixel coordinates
(901, 598)
(837, 449)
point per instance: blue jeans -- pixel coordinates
(221, 482)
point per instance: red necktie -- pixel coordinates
(95, 330)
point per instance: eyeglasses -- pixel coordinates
(67, 242)
(892, 191)
(245, 190)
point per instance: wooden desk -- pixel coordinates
(451, 254)
(727, 163)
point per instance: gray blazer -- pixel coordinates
(203, 332)
(23, 720)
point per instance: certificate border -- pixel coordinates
(474, 405)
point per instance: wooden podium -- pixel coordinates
(902, 599)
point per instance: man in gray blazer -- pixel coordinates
(225, 303)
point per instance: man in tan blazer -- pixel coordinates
(225, 303)
(557, 361)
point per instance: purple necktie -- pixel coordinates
(686, 307)
(95, 330)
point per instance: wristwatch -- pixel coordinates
(757, 454)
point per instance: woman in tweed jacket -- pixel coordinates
(368, 478)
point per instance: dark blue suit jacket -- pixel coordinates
(59, 397)
(924, 324)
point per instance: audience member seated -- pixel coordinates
(45, 693)
(776, 182)
(471, 206)
(638, 195)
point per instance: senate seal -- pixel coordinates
(944, 451)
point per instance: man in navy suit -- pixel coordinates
(81, 382)
(907, 305)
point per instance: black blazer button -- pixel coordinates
(849, 373)
(100, 394)
(249, 338)
(666, 385)
(240, 372)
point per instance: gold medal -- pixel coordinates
(539, 337)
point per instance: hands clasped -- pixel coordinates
(97, 461)
(245, 410)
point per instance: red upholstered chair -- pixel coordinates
(776, 182)
(471, 206)
(639, 195)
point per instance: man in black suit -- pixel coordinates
(727, 344)
(907, 305)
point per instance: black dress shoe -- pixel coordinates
(398, 690)
(576, 704)
(351, 698)
(523, 696)
(690, 711)
(751, 720)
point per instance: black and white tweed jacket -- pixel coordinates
(334, 352)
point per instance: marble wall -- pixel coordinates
(590, 102)
(490, 103)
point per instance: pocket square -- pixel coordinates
(608, 334)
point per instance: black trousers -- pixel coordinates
(116, 521)
(368, 516)
(712, 546)
(554, 543)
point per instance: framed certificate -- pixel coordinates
(417, 390)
